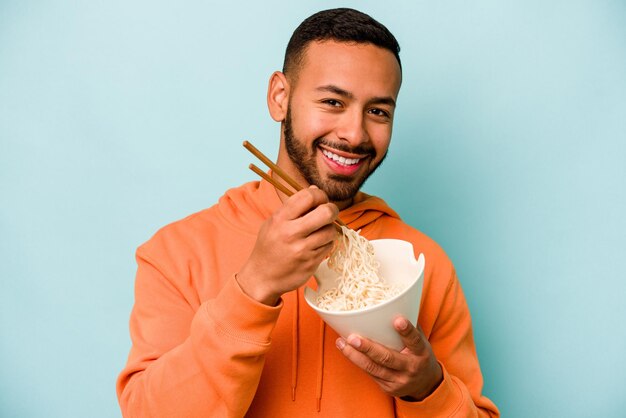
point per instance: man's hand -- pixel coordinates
(290, 246)
(412, 372)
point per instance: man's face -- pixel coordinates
(340, 115)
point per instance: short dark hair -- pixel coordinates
(342, 25)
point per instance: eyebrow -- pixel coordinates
(331, 88)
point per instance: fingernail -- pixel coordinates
(402, 324)
(340, 343)
(354, 342)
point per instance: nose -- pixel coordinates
(351, 128)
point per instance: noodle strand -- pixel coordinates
(359, 285)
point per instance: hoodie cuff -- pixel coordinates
(443, 402)
(240, 316)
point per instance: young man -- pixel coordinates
(219, 326)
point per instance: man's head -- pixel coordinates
(336, 100)
(340, 25)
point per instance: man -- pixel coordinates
(219, 326)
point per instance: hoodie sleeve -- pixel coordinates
(450, 335)
(192, 361)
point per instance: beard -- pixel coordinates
(338, 187)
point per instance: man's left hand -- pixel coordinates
(412, 373)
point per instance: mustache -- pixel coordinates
(363, 149)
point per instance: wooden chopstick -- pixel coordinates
(269, 178)
(338, 222)
(271, 165)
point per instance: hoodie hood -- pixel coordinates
(365, 210)
(247, 207)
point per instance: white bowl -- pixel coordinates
(398, 266)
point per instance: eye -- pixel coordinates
(332, 102)
(380, 112)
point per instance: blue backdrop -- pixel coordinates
(509, 149)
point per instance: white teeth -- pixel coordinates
(339, 159)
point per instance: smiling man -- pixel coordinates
(220, 328)
(339, 101)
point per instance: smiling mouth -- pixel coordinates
(346, 162)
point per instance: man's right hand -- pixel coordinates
(290, 246)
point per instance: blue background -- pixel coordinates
(119, 117)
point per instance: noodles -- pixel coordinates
(358, 285)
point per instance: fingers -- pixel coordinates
(323, 240)
(323, 214)
(310, 216)
(303, 202)
(412, 336)
(414, 371)
(375, 359)
(290, 245)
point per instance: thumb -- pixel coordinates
(412, 336)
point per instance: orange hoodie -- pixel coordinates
(202, 348)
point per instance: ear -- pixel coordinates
(278, 96)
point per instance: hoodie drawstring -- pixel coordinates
(295, 342)
(320, 375)
(294, 345)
